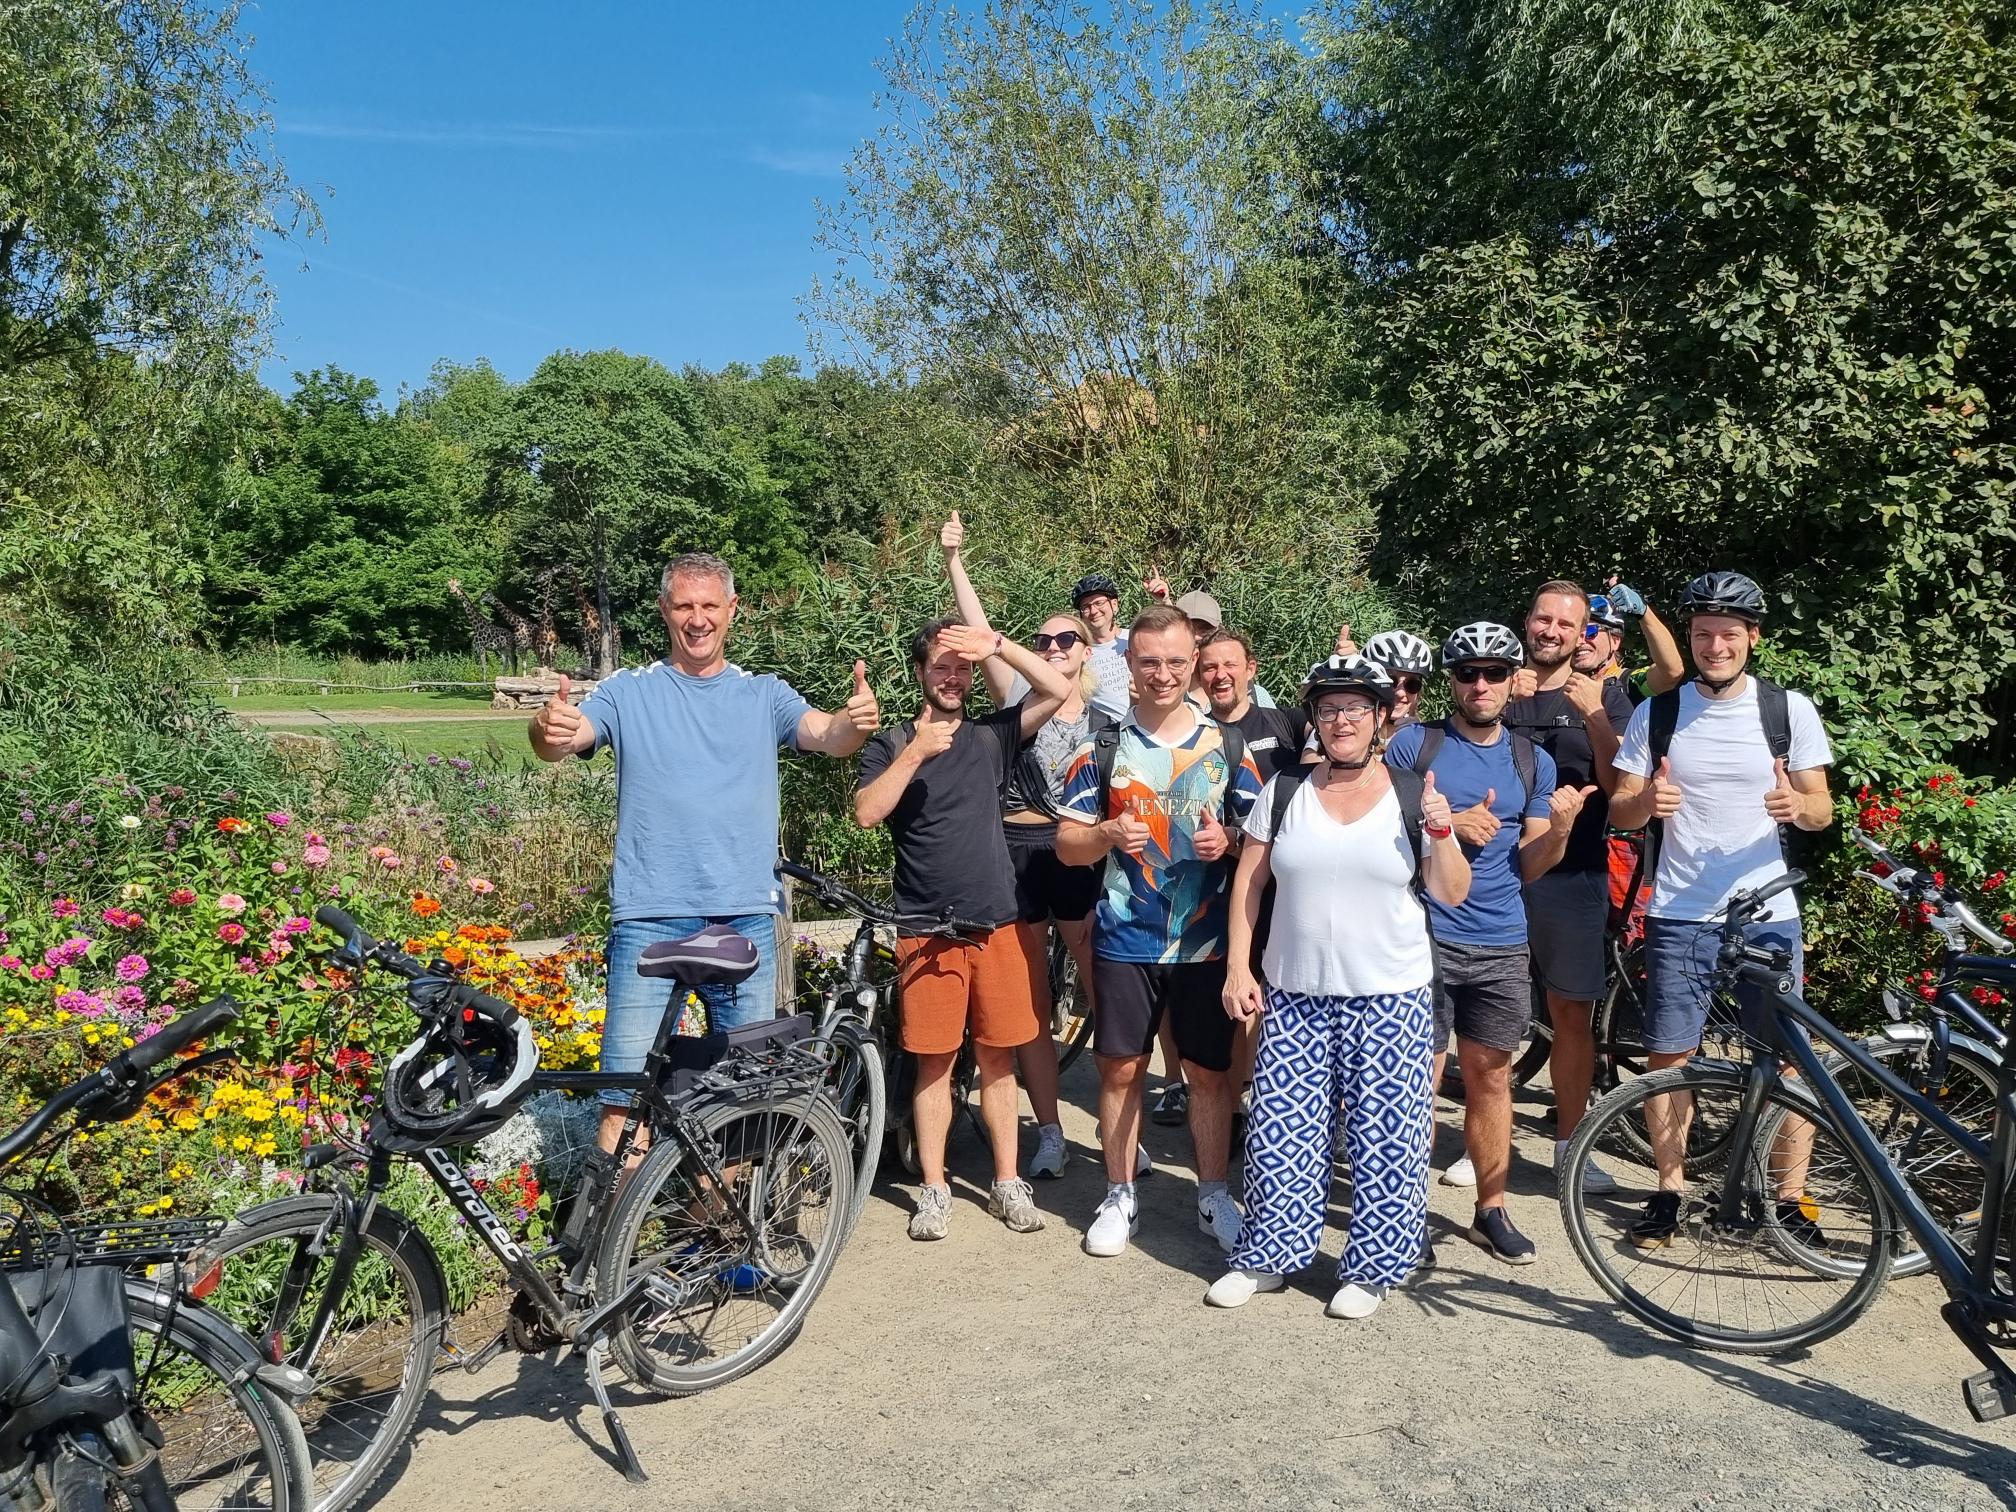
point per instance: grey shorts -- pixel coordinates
(1566, 914)
(1483, 992)
(1680, 977)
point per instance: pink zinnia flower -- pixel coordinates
(230, 903)
(182, 897)
(10, 963)
(231, 934)
(69, 953)
(130, 968)
(315, 855)
(40, 972)
(131, 1000)
(278, 868)
(63, 908)
(279, 820)
(446, 863)
(83, 1004)
(297, 925)
(391, 863)
(482, 886)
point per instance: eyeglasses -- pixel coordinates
(1342, 713)
(1408, 684)
(1494, 674)
(1063, 640)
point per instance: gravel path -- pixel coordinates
(1007, 1371)
(280, 719)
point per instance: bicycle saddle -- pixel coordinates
(715, 957)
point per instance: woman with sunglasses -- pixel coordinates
(1408, 660)
(1347, 1012)
(1046, 890)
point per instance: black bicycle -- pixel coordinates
(1792, 1239)
(689, 1270)
(116, 1392)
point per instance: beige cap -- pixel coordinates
(1203, 608)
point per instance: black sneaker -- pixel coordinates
(1798, 1220)
(1492, 1229)
(1172, 1105)
(1427, 1260)
(1661, 1221)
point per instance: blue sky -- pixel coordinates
(506, 179)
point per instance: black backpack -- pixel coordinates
(1773, 712)
(1524, 762)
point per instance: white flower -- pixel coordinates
(132, 892)
(129, 821)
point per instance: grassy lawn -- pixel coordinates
(433, 700)
(484, 743)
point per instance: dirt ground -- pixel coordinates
(995, 1370)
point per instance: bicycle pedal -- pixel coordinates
(471, 1363)
(1990, 1396)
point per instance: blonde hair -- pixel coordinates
(1088, 680)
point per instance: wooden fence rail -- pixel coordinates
(327, 685)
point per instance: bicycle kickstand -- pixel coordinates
(633, 1470)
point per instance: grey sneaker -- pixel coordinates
(933, 1218)
(1014, 1203)
(1050, 1153)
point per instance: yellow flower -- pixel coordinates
(185, 1121)
(240, 1142)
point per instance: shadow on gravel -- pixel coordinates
(1889, 1437)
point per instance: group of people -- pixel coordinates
(1307, 900)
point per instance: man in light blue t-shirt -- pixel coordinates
(696, 741)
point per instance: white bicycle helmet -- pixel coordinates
(462, 1076)
(1401, 651)
(1483, 641)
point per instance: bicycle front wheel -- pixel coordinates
(1709, 1278)
(721, 1298)
(227, 1441)
(270, 1270)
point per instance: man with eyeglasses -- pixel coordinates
(1514, 824)
(1095, 599)
(1601, 653)
(1577, 717)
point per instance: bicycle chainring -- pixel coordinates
(527, 1331)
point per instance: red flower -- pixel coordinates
(231, 933)
(1967, 803)
(232, 826)
(182, 897)
(1993, 880)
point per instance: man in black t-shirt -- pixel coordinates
(1226, 668)
(1578, 720)
(935, 780)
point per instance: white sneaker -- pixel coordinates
(1354, 1299)
(1050, 1153)
(1218, 1216)
(1117, 1221)
(1594, 1177)
(1461, 1174)
(1236, 1287)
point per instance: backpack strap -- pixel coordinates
(1105, 752)
(1431, 743)
(1285, 784)
(1233, 743)
(1527, 765)
(1408, 787)
(1775, 712)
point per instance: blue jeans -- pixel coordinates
(1680, 965)
(637, 1005)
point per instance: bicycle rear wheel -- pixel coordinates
(1070, 1004)
(271, 1267)
(229, 1444)
(721, 1300)
(1731, 1285)
(861, 1096)
(1951, 1184)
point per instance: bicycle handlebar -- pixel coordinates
(1951, 912)
(834, 895)
(360, 950)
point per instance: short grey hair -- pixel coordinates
(697, 564)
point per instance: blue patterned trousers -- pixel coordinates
(1373, 1056)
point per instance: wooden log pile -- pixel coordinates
(529, 693)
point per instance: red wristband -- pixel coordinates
(1438, 834)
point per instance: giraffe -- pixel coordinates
(546, 639)
(524, 635)
(591, 625)
(486, 638)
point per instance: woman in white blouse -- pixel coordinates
(1347, 1013)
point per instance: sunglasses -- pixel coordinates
(1408, 684)
(1493, 674)
(1063, 640)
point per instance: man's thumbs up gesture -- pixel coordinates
(1211, 841)
(1477, 826)
(559, 728)
(1564, 807)
(1666, 793)
(1782, 802)
(862, 711)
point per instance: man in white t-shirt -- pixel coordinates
(1723, 765)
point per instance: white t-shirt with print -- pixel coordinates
(1346, 921)
(1722, 841)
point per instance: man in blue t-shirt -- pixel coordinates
(696, 742)
(1513, 828)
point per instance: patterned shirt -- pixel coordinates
(1164, 905)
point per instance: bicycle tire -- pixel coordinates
(357, 1422)
(1070, 1013)
(1946, 1179)
(861, 1096)
(802, 1162)
(1599, 1231)
(203, 1425)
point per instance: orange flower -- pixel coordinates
(232, 826)
(425, 906)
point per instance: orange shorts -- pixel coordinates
(993, 983)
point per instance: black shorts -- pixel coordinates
(1045, 888)
(1483, 992)
(1130, 997)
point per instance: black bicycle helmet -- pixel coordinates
(1605, 614)
(1724, 593)
(461, 1077)
(1092, 585)
(1348, 674)
(1401, 651)
(1480, 642)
